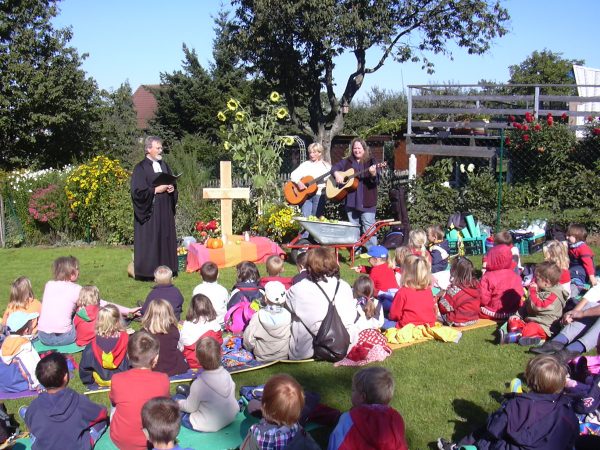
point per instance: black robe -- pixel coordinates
(154, 235)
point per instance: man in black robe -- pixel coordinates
(154, 237)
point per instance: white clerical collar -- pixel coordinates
(155, 165)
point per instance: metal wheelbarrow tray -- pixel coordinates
(326, 233)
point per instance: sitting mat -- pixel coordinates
(16, 395)
(65, 349)
(190, 375)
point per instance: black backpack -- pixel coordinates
(8, 426)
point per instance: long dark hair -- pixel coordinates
(461, 273)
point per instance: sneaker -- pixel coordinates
(443, 444)
(508, 338)
(516, 386)
(529, 341)
(549, 348)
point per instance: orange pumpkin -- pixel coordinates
(208, 243)
(217, 243)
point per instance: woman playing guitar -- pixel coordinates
(361, 203)
(305, 174)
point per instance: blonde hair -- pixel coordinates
(282, 400)
(274, 265)
(557, 252)
(64, 268)
(416, 272)
(159, 317)
(417, 240)
(108, 322)
(435, 233)
(88, 295)
(163, 275)
(400, 255)
(21, 293)
(376, 384)
(316, 147)
(546, 375)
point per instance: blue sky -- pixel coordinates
(136, 40)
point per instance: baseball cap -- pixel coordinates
(19, 319)
(275, 292)
(376, 251)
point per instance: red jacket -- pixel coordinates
(383, 277)
(581, 254)
(286, 281)
(414, 306)
(461, 305)
(189, 351)
(85, 324)
(501, 288)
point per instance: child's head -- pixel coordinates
(209, 272)
(21, 292)
(274, 265)
(282, 400)
(435, 234)
(208, 352)
(163, 275)
(576, 233)
(547, 274)
(546, 375)
(417, 239)
(556, 252)
(65, 268)
(88, 295)
(161, 420)
(364, 290)
(301, 261)
(503, 238)
(275, 293)
(400, 255)
(372, 386)
(142, 350)
(200, 308)
(416, 272)
(21, 323)
(159, 317)
(378, 255)
(461, 272)
(108, 322)
(247, 272)
(52, 371)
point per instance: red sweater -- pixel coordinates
(581, 254)
(128, 393)
(383, 277)
(460, 305)
(414, 306)
(286, 281)
(85, 324)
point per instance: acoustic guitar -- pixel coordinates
(338, 192)
(295, 196)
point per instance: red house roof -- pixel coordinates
(145, 104)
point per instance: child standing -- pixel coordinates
(413, 303)
(19, 358)
(459, 305)
(501, 288)
(217, 294)
(159, 320)
(538, 420)
(281, 406)
(247, 286)
(164, 288)
(371, 423)
(268, 333)
(61, 418)
(131, 389)
(556, 252)
(581, 256)
(200, 321)
(55, 326)
(161, 420)
(275, 267)
(106, 354)
(439, 250)
(22, 299)
(211, 404)
(380, 272)
(84, 321)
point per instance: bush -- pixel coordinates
(276, 222)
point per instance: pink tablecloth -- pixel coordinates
(257, 250)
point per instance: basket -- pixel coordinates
(330, 233)
(473, 246)
(181, 263)
(530, 245)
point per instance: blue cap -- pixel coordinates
(377, 251)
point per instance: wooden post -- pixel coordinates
(226, 193)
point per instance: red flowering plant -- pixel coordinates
(205, 230)
(48, 205)
(538, 147)
(588, 150)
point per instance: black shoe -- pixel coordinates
(443, 444)
(549, 348)
(525, 341)
(565, 355)
(183, 389)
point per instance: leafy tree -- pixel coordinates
(47, 105)
(382, 112)
(293, 44)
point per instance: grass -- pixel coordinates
(441, 389)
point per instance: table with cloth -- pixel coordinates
(236, 250)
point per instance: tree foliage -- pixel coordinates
(293, 44)
(383, 112)
(47, 104)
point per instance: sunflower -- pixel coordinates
(221, 116)
(281, 113)
(288, 140)
(274, 97)
(232, 104)
(240, 116)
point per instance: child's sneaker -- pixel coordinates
(443, 444)
(516, 386)
(508, 338)
(532, 340)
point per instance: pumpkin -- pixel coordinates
(217, 243)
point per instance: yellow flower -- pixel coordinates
(274, 97)
(288, 140)
(232, 104)
(227, 145)
(281, 113)
(239, 116)
(221, 116)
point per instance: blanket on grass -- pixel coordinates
(64, 349)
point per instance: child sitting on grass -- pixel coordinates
(380, 272)
(459, 304)
(200, 321)
(210, 287)
(275, 267)
(19, 358)
(247, 286)
(556, 252)
(400, 255)
(281, 405)
(371, 423)
(538, 420)
(417, 242)
(301, 266)
(211, 403)
(370, 310)
(581, 258)
(439, 249)
(22, 299)
(164, 288)
(161, 421)
(84, 321)
(60, 418)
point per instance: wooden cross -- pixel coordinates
(226, 193)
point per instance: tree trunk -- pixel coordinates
(327, 132)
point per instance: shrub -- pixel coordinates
(276, 222)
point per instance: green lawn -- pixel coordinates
(441, 389)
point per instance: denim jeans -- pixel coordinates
(57, 339)
(313, 206)
(365, 220)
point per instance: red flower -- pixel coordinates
(537, 127)
(528, 117)
(525, 127)
(526, 137)
(517, 125)
(511, 118)
(596, 131)
(212, 225)
(507, 141)
(590, 118)
(564, 117)
(550, 121)
(200, 226)
(549, 115)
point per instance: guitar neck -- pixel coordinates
(357, 174)
(318, 179)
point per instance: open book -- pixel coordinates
(165, 178)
